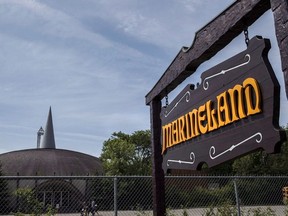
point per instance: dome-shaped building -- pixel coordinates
(49, 162)
(46, 160)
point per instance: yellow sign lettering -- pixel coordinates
(231, 106)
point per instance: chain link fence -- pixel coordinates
(185, 195)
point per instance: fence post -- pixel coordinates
(17, 187)
(115, 196)
(237, 197)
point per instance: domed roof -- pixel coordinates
(49, 162)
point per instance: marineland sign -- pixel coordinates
(235, 108)
(234, 111)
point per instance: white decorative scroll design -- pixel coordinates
(187, 98)
(212, 151)
(191, 156)
(206, 83)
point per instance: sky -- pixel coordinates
(94, 61)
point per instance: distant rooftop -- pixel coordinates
(46, 160)
(49, 162)
(48, 140)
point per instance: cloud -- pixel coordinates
(92, 61)
(145, 21)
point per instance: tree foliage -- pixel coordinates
(28, 203)
(125, 154)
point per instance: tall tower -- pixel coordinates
(39, 134)
(48, 140)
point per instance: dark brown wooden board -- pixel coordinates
(237, 138)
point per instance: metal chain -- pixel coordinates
(167, 102)
(246, 34)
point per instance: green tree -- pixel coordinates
(28, 202)
(142, 156)
(125, 154)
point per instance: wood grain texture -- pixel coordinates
(280, 12)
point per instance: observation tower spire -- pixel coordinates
(48, 140)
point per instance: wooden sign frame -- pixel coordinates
(223, 117)
(208, 41)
